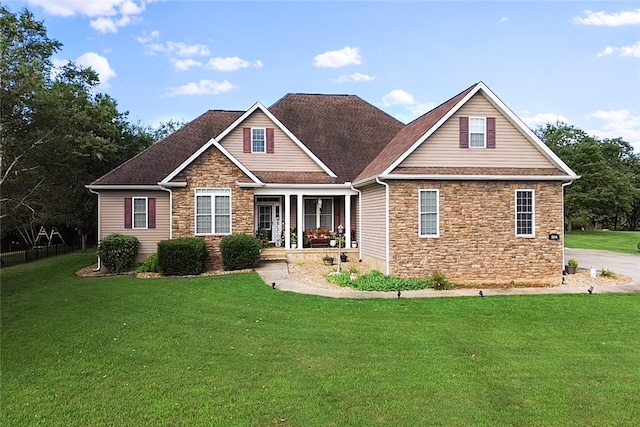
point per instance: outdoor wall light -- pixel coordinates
(590, 290)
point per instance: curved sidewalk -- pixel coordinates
(278, 273)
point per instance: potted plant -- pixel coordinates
(354, 244)
(343, 257)
(571, 266)
(293, 239)
(328, 260)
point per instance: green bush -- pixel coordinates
(376, 281)
(439, 282)
(240, 251)
(118, 252)
(182, 257)
(263, 237)
(150, 265)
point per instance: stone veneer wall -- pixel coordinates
(212, 170)
(477, 240)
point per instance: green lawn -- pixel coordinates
(617, 241)
(231, 351)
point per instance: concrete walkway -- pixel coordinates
(278, 273)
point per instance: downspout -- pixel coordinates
(162, 187)
(98, 194)
(359, 221)
(386, 216)
(563, 185)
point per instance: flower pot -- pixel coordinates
(354, 245)
(343, 257)
(569, 269)
(328, 261)
(294, 245)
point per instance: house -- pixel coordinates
(467, 189)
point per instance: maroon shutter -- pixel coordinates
(491, 132)
(127, 212)
(152, 212)
(246, 139)
(270, 146)
(464, 132)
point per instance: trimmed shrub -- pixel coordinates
(440, 282)
(118, 252)
(240, 251)
(182, 257)
(150, 265)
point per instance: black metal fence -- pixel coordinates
(8, 259)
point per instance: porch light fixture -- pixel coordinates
(341, 230)
(590, 290)
(319, 204)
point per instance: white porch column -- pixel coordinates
(287, 220)
(300, 221)
(347, 221)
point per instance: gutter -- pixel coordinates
(564, 184)
(167, 188)
(386, 216)
(359, 222)
(123, 187)
(98, 194)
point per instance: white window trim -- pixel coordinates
(484, 132)
(264, 130)
(428, 190)
(133, 213)
(317, 213)
(212, 192)
(533, 212)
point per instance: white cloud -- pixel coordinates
(99, 64)
(185, 64)
(630, 17)
(108, 14)
(231, 64)
(338, 58)
(203, 87)
(147, 38)
(617, 123)
(355, 77)
(398, 97)
(504, 19)
(175, 48)
(633, 50)
(542, 119)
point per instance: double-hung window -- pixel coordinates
(258, 140)
(429, 213)
(318, 213)
(140, 219)
(213, 211)
(525, 213)
(477, 132)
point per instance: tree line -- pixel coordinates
(608, 193)
(57, 133)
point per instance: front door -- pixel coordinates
(265, 214)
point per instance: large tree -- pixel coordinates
(58, 133)
(607, 192)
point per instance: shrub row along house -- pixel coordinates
(467, 189)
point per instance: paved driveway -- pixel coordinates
(625, 264)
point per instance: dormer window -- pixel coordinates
(477, 132)
(258, 140)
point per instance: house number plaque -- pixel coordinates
(554, 236)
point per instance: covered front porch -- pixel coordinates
(306, 217)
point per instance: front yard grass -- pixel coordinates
(617, 241)
(229, 350)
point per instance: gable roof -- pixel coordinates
(156, 162)
(407, 140)
(344, 131)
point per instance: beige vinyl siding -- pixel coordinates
(287, 156)
(513, 149)
(112, 218)
(373, 227)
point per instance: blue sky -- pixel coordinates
(575, 61)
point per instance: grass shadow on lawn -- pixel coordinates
(230, 350)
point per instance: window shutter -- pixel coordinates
(127, 212)
(270, 147)
(246, 139)
(464, 132)
(152, 212)
(491, 132)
